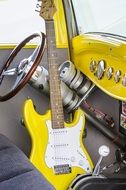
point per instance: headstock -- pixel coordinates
(46, 8)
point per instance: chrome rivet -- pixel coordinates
(124, 80)
(92, 66)
(109, 73)
(100, 69)
(117, 76)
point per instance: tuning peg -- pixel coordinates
(37, 7)
(103, 152)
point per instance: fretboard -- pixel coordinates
(54, 79)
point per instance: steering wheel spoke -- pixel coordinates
(10, 72)
(18, 80)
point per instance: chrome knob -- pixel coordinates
(104, 151)
(93, 66)
(100, 69)
(117, 76)
(109, 73)
(124, 80)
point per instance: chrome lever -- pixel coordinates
(103, 152)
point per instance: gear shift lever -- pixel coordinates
(103, 152)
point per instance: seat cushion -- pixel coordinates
(16, 171)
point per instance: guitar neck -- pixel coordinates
(54, 79)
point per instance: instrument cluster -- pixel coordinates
(100, 70)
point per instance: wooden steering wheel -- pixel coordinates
(25, 69)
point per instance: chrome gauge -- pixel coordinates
(109, 73)
(117, 76)
(100, 69)
(92, 66)
(124, 80)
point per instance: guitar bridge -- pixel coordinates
(62, 169)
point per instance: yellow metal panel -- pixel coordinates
(88, 47)
(60, 26)
(12, 46)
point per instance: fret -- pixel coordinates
(51, 39)
(52, 58)
(54, 79)
(56, 107)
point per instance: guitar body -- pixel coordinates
(71, 148)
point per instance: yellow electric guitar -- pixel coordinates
(57, 148)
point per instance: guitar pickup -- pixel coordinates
(62, 169)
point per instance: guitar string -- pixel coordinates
(58, 158)
(58, 139)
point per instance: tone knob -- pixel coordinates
(117, 76)
(109, 73)
(124, 80)
(93, 66)
(100, 69)
(73, 159)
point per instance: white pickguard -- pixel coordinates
(64, 147)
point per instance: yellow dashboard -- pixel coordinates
(103, 60)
